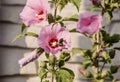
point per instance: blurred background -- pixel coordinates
(10, 53)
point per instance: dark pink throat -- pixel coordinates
(53, 43)
(41, 15)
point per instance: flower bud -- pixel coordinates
(52, 60)
(103, 74)
(43, 64)
(85, 73)
(29, 58)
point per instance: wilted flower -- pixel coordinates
(95, 2)
(89, 23)
(54, 38)
(29, 58)
(35, 12)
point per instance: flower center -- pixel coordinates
(40, 15)
(53, 43)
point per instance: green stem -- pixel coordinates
(98, 51)
(103, 67)
(91, 59)
(55, 11)
(98, 39)
(103, 6)
(102, 13)
(52, 80)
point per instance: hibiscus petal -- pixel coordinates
(57, 28)
(65, 35)
(35, 4)
(45, 5)
(28, 16)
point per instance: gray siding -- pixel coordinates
(10, 53)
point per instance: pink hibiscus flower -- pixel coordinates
(54, 38)
(35, 11)
(89, 23)
(31, 57)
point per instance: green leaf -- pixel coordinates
(31, 34)
(61, 63)
(23, 27)
(42, 73)
(52, 60)
(58, 17)
(76, 3)
(94, 55)
(61, 23)
(105, 54)
(101, 80)
(87, 74)
(72, 18)
(94, 69)
(83, 52)
(25, 34)
(95, 45)
(78, 51)
(46, 81)
(62, 3)
(47, 55)
(73, 30)
(97, 76)
(65, 75)
(65, 56)
(109, 15)
(114, 80)
(43, 64)
(106, 38)
(115, 38)
(112, 53)
(86, 63)
(110, 40)
(94, 7)
(114, 69)
(88, 53)
(104, 74)
(50, 18)
(40, 50)
(110, 75)
(104, 33)
(51, 69)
